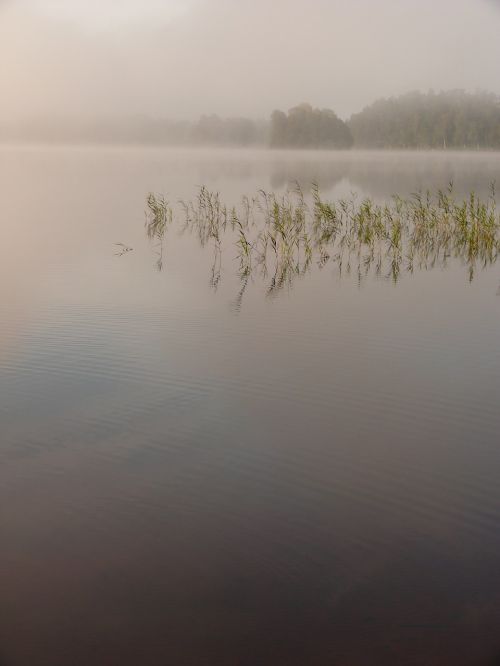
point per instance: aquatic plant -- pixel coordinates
(159, 215)
(122, 249)
(283, 235)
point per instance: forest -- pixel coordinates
(446, 120)
(306, 127)
(453, 119)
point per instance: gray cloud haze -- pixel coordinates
(180, 58)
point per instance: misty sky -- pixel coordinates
(181, 58)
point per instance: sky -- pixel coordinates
(181, 58)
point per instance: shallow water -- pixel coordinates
(194, 476)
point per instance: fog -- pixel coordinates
(181, 58)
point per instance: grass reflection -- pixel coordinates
(281, 237)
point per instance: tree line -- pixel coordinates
(306, 127)
(140, 129)
(453, 119)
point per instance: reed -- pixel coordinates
(158, 215)
(284, 235)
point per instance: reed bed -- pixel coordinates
(283, 236)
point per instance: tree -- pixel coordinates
(453, 119)
(306, 127)
(278, 129)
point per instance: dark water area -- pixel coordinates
(192, 478)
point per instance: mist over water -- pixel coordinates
(249, 361)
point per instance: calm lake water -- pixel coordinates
(193, 476)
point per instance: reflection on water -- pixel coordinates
(379, 175)
(371, 173)
(313, 481)
(281, 237)
(122, 249)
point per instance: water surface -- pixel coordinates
(190, 477)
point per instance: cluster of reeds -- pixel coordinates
(158, 216)
(282, 235)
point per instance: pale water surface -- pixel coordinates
(192, 476)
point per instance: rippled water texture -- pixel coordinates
(192, 479)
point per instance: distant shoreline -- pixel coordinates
(261, 148)
(447, 121)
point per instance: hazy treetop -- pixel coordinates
(181, 58)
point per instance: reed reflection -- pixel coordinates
(279, 238)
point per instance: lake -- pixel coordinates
(199, 472)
